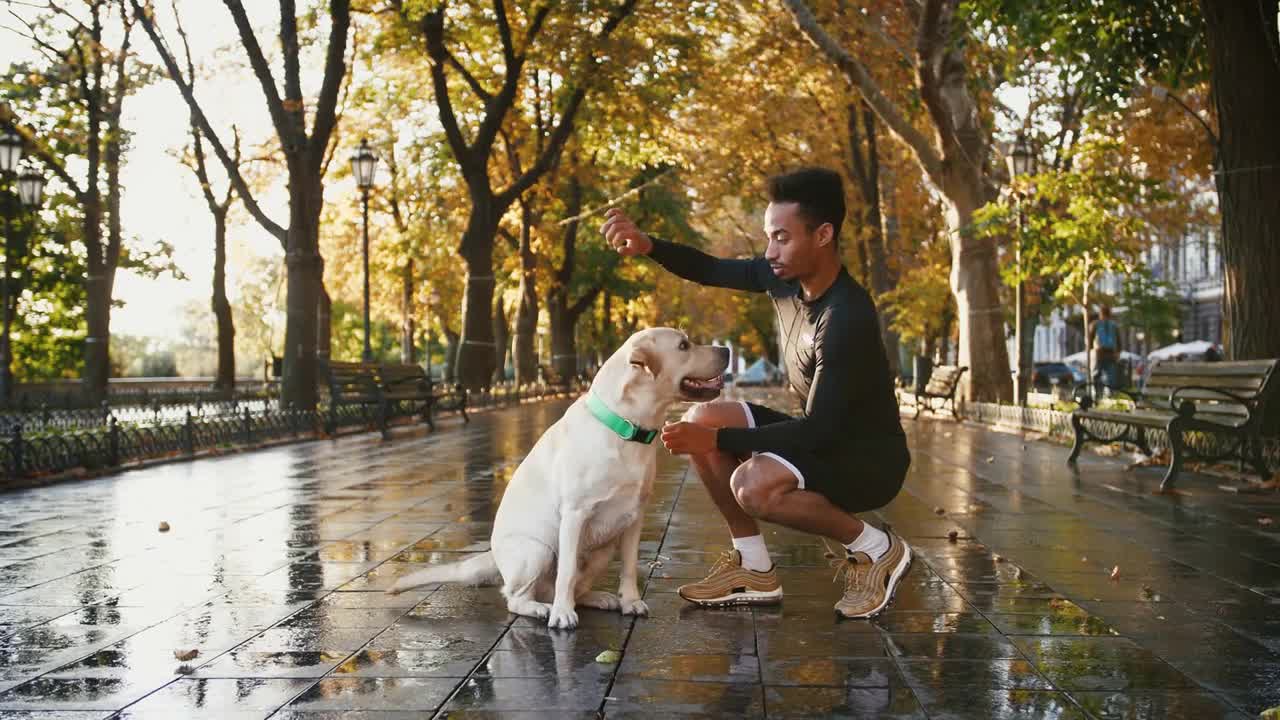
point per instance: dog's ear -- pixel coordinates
(645, 357)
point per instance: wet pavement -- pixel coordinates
(269, 585)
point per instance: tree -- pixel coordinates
(306, 152)
(1079, 224)
(91, 81)
(955, 159)
(1244, 56)
(225, 374)
(473, 155)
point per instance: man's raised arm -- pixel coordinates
(752, 274)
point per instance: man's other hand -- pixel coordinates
(686, 438)
(623, 235)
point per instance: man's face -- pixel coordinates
(794, 250)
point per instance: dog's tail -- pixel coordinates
(478, 569)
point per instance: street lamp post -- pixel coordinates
(30, 187)
(1022, 163)
(363, 164)
(433, 299)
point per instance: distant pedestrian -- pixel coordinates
(1106, 350)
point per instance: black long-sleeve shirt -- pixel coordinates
(833, 355)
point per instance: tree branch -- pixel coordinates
(857, 74)
(484, 95)
(232, 168)
(31, 138)
(348, 79)
(433, 31)
(504, 32)
(560, 135)
(275, 106)
(584, 302)
(290, 49)
(335, 67)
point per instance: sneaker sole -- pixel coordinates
(903, 565)
(750, 597)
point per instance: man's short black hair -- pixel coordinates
(818, 191)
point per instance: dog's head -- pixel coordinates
(664, 363)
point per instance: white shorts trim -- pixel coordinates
(751, 423)
(787, 464)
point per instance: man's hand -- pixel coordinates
(686, 438)
(623, 235)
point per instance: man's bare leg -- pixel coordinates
(715, 469)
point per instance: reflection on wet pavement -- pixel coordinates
(265, 597)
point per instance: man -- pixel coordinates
(845, 454)
(1106, 349)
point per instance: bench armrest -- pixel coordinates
(1187, 408)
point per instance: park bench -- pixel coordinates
(409, 384)
(943, 382)
(351, 384)
(384, 390)
(1225, 399)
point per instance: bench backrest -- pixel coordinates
(1245, 379)
(351, 381)
(401, 375)
(943, 379)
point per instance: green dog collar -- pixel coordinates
(625, 428)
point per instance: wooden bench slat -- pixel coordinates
(1199, 369)
(1241, 383)
(1160, 397)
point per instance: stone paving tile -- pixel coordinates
(275, 563)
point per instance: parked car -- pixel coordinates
(1044, 374)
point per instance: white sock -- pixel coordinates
(873, 542)
(755, 556)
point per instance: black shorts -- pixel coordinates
(862, 482)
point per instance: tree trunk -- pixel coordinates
(866, 170)
(450, 354)
(324, 323)
(564, 353)
(527, 313)
(476, 353)
(1245, 66)
(975, 286)
(303, 291)
(97, 347)
(501, 342)
(225, 379)
(407, 354)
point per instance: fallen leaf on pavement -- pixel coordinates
(185, 655)
(609, 657)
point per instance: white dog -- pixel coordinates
(581, 492)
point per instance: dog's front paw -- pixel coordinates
(599, 600)
(635, 607)
(564, 618)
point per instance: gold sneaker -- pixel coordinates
(869, 585)
(729, 583)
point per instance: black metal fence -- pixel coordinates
(50, 442)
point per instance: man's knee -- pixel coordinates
(717, 414)
(752, 488)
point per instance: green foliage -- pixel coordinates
(1100, 46)
(1151, 306)
(1077, 224)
